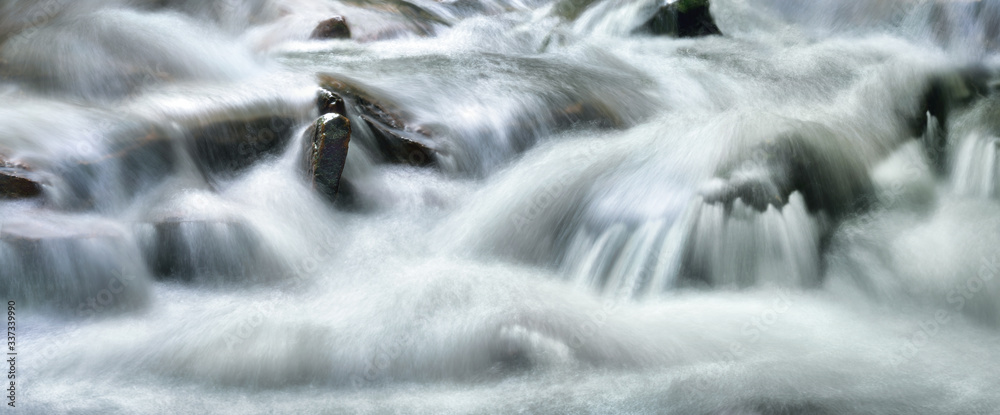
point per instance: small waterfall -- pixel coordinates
(976, 166)
(973, 143)
(546, 206)
(74, 265)
(209, 251)
(723, 246)
(627, 264)
(740, 246)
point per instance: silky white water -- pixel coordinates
(563, 255)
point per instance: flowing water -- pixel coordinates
(568, 252)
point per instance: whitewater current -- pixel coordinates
(767, 221)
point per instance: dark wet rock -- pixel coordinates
(474, 134)
(398, 146)
(947, 92)
(325, 153)
(231, 145)
(332, 28)
(394, 139)
(328, 102)
(946, 95)
(17, 182)
(364, 101)
(205, 251)
(683, 18)
(770, 173)
(767, 215)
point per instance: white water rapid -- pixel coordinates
(800, 215)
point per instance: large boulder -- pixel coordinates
(768, 174)
(332, 28)
(400, 146)
(17, 181)
(948, 94)
(326, 143)
(394, 137)
(682, 18)
(230, 145)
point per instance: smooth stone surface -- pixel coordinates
(326, 144)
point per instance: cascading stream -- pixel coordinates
(545, 206)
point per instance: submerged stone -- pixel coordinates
(18, 183)
(683, 18)
(332, 28)
(231, 145)
(395, 139)
(204, 251)
(768, 174)
(946, 95)
(399, 146)
(139, 157)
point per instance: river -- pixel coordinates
(775, 220)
